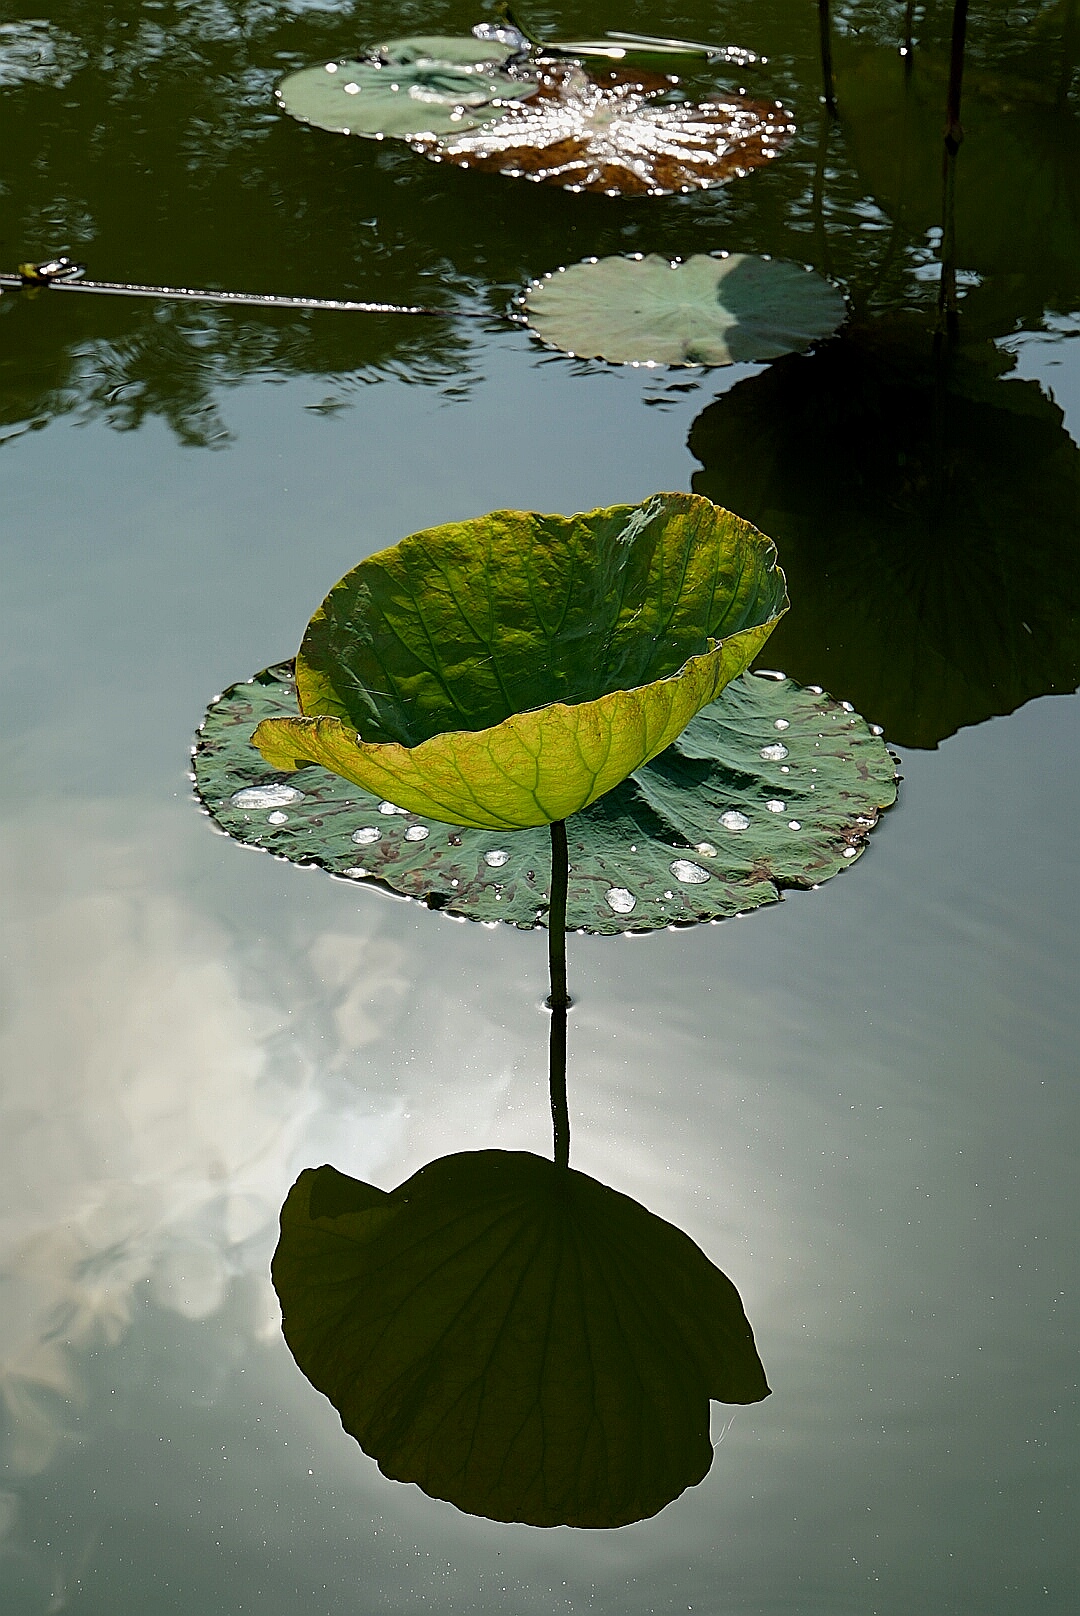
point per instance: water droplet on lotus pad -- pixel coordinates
(691, 874)
(272, 796)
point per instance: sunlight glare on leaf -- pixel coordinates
(618, 139)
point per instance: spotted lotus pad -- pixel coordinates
(616, 138)
(775, 785)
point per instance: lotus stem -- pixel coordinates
(558, 1000)
(1068, 53)
(825, 32)
(817, 196)
(909, 32)
(954, 134)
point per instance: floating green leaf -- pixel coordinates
(513, 1337)
(616, 138)
(407, 87)
(712, 309)
(509, 670)
(772, 786)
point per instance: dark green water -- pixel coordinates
(861, 1104)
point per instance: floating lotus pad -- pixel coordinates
(407, 87)
(774, 785)
(712, 309)
(616, 138)
(509, 670)
(513, 1337)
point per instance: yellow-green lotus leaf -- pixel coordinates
(509, 670)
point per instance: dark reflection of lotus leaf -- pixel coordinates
(513, 1337)
(928, 525)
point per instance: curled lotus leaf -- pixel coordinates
(712, 309)
(513, 1337)
(509, 670)
(617, 138)
(408, 87)
(775, 785)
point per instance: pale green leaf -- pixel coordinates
(712, 309)
(408, 87)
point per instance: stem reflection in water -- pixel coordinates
(558, 1000)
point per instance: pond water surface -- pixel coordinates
(861, 1102)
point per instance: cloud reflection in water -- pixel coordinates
(160, 1107)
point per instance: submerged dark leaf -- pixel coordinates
(772, 786)
(513, 1337)
(618, 139)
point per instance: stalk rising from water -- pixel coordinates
(558, 1000)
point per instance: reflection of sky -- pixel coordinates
(160, 1104)
(858, 1104)
(1049, 357)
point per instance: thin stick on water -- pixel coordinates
(37, 277)
(558, 1000)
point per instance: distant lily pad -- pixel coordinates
(618, 139)
(774, 785)
(407, 87)
(513, 1337)
(712, 309)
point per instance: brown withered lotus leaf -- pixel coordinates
(618, 139)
